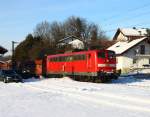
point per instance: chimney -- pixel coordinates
(140, 32)
(134, 27)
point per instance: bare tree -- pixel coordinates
(43, 30)
(57, 31)
(75, 26)
(89, 33)
(93, 32)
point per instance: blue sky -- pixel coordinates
(19, 17)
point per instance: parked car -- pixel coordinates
(10, 76)
(25, 74)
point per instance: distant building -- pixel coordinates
(131, 45)
(129, 34)
(5, 64)
(2, 50)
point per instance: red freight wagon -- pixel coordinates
(38, 67)
(96, 64)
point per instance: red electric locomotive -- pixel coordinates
(92, 65)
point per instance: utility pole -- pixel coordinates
(13, 51)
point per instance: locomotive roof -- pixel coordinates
(80, 52)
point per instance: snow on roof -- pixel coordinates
(121, 47)
(133, 32)
(77, 44)
(2, 62)
(68, 38)
(142, 31)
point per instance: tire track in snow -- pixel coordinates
(94, 90)
(108, 98)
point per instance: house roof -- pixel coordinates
(68, 37)
(3, 50)
(131, 32)
(76, 41)
(2, 62)
(121, 47)
(77, 44)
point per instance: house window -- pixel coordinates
(142, 48)
(134, 61)
(136, 51)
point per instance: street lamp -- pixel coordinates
(13, 51)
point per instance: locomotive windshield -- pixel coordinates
(101, 54)
(111, 54)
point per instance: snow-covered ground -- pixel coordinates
(63, 97)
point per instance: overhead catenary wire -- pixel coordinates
(128, 26)
(130, 11)
(127, 12)
(133, 18)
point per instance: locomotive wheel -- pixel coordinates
(94, 79)
(72, 77)
(97, 80)
(77, 78)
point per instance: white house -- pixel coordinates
(72, 41)
(77, 44)
(130, 45)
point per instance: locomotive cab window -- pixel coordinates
(101, 55)
(111, 54)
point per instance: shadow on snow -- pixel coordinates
(131, 78)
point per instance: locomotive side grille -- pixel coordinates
(106, 65)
